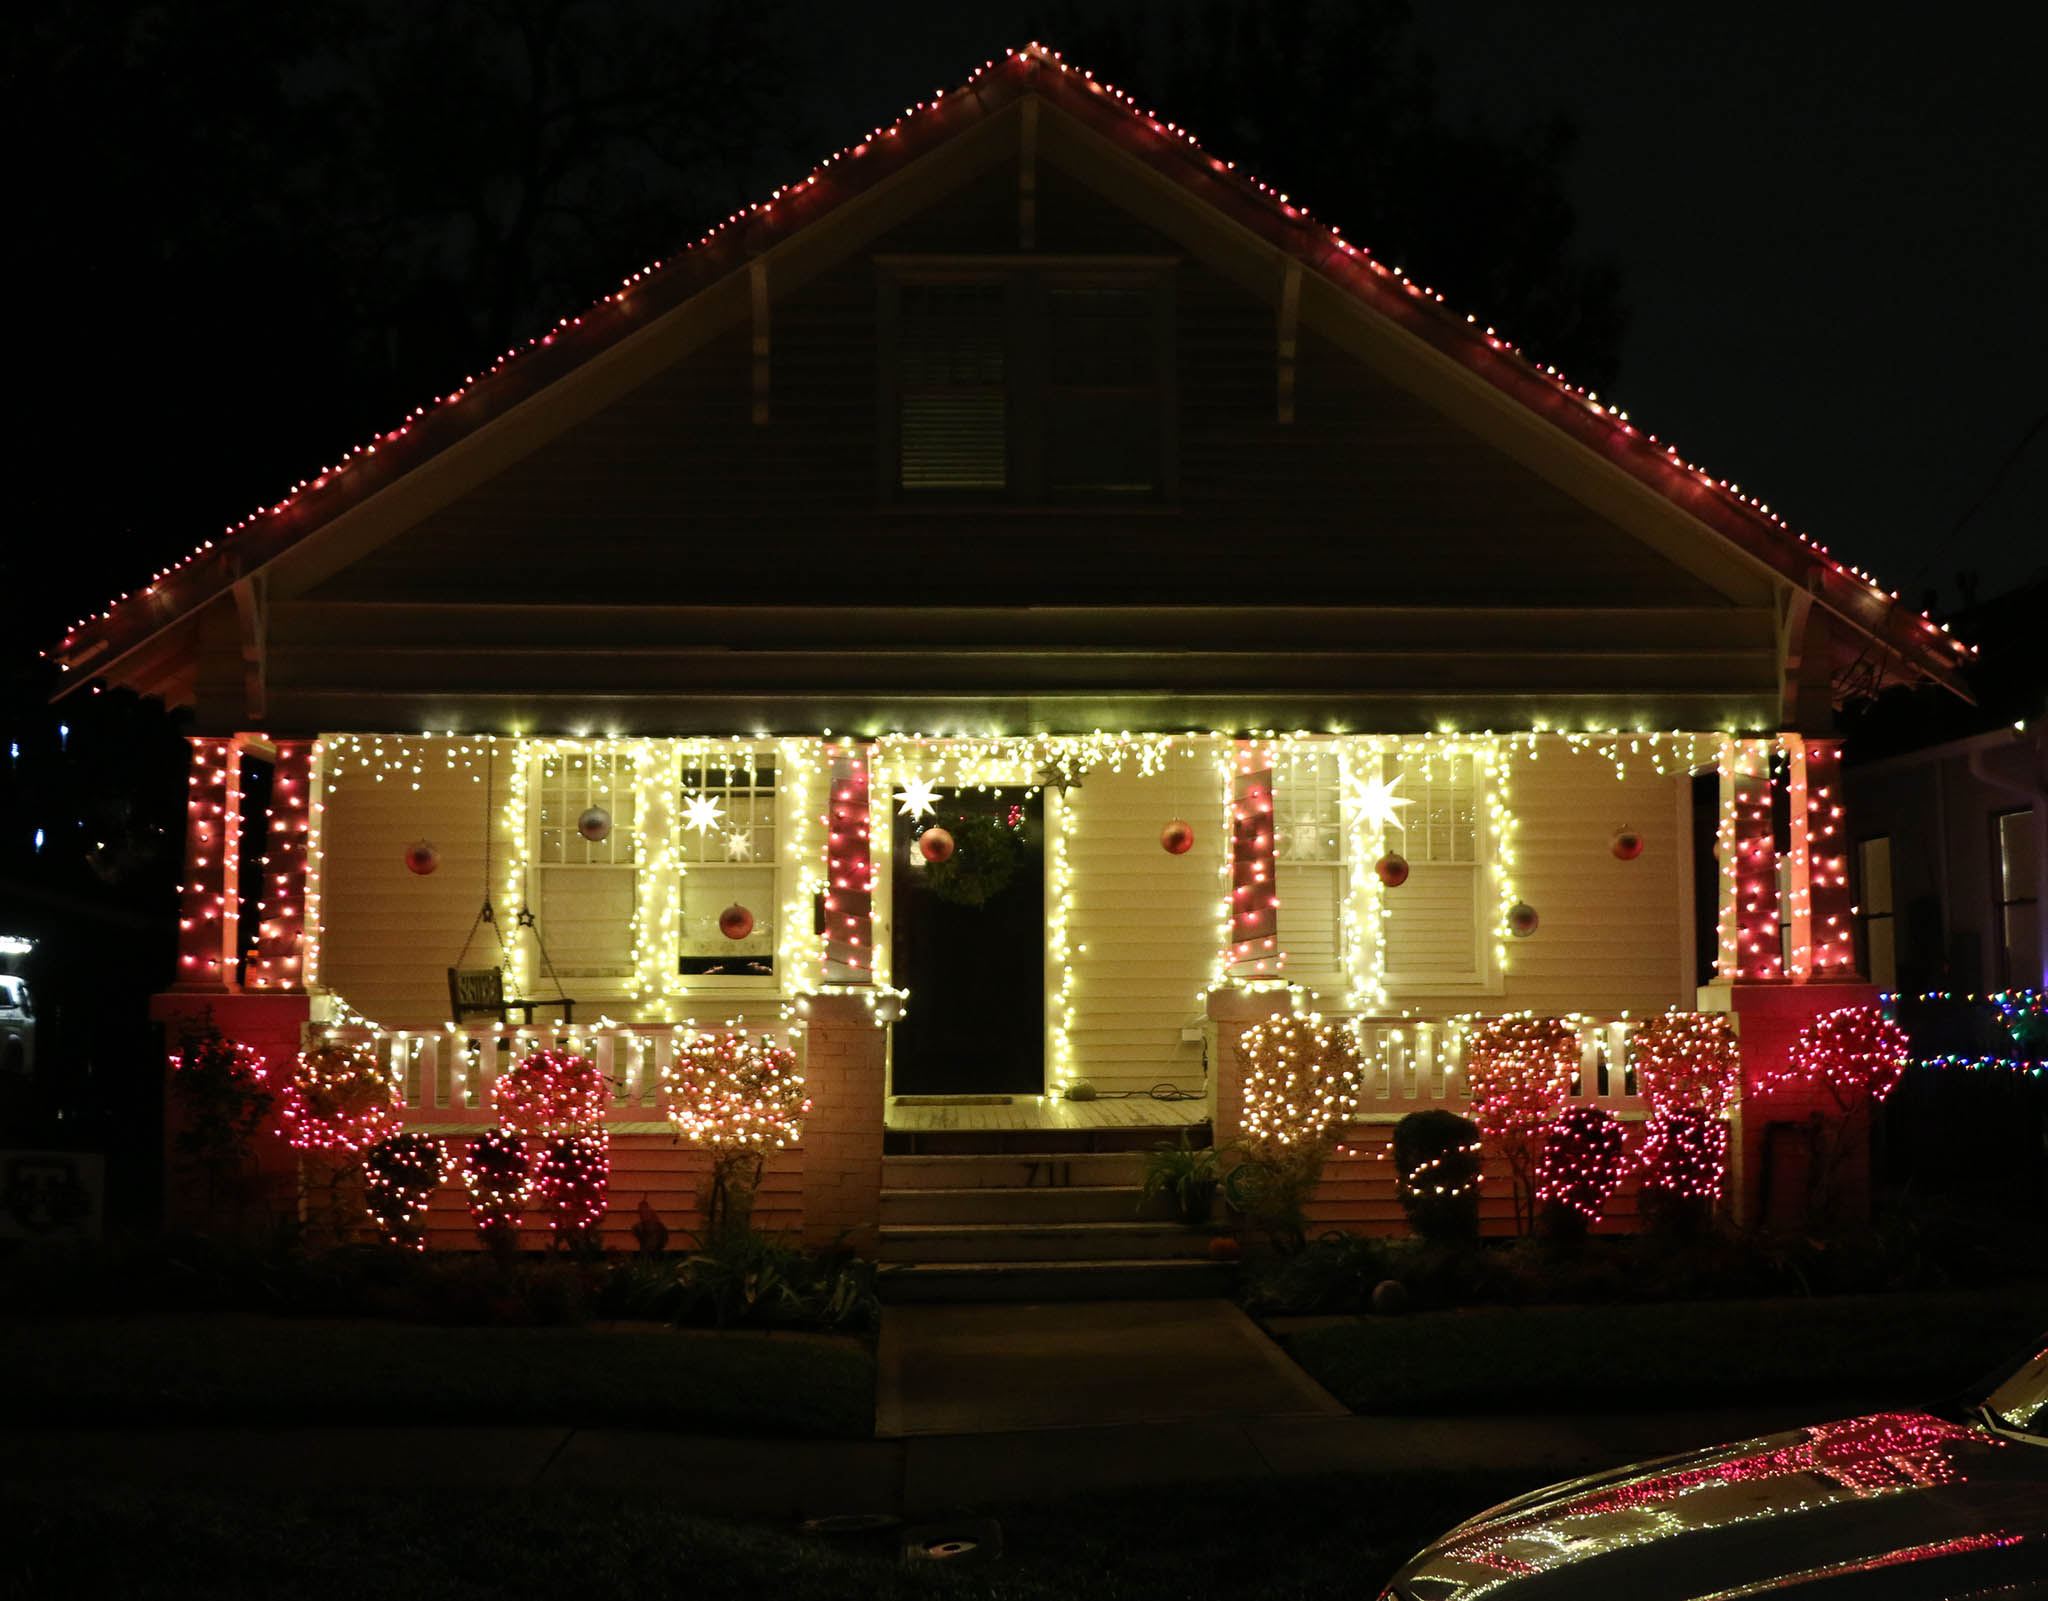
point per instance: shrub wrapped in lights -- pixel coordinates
(219, 1089)
(1690, 1070)
(1437, 1160)
(1856, 1055)
(496, 1172)
(1688, 1059)
(551, 1093)
(1521, 1071)
(740, 1095)
(1582, 1163)
(1301, 1079)
(571, 1176)
(401, 1173)
(338, 1099)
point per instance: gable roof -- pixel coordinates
(139, 621)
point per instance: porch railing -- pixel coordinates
(446, 1077)
(1410, 1064)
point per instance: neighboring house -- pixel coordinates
(1015, 423)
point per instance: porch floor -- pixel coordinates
(1027, 1113)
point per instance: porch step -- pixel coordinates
(1074, 1142)
(1019, 1170)
(1128, 1279)
(1011, 1242)
(1039, 1205)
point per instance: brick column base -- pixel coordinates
(271, 1025)
(1775, 1138)
(1233, 1011)
(844, 1071)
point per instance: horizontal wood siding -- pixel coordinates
(1609, 934)
(1360, 1194)
(669, 1175)
(1149, 921)
(672, 497)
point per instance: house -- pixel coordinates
(1027, 470)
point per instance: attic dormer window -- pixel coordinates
(1033, 383)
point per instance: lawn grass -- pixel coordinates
(1668, 1355)
(1308, 1538)
(170, 1369)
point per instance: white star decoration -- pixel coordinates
(1378, 802)
(916, 796)
(739, 847)
(701, 813)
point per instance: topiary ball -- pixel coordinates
(1389, 1298)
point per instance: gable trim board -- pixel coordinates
(662, 314)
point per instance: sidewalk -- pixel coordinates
(914, 1476)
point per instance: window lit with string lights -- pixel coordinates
(725, 850)
(1874, 911)
(585, 860)
(1389, 850)
(1027, 380)
(1438, 924)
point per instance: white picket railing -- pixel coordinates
(1411, 1063)
(441, 1076)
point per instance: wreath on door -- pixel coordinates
(986, 855)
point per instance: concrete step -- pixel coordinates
(1044, 1142)
(1010, 1242)
(1130, 1279)
(1076, 1203)
(1012, 1171)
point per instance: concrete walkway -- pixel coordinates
(1002, 1368)
(978, 1406)
(915, 1476)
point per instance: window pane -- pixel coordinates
(1884, 966)
(1874, 859)
(2016, 866)
(952, 407)
(1103, 412)
(2022, 945)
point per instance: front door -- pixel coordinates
(969, 945)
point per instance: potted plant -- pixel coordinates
(1187, 1174)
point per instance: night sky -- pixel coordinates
(1832, 230)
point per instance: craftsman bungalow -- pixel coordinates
(1024, 420)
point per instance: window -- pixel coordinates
(585, 888)
(2019, 897)
(725, 844)
(1041, 386)
(1874, 911)
(1434, 930)
(1312, 864)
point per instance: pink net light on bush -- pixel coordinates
(1583, 1161)
(338, 1098)
(1855, 1052)
(551, 1093)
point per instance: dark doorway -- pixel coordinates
(975, 972)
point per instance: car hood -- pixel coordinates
(1871, 1505)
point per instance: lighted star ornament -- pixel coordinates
(739, 847)
(701, 813)
(916, 795)
(1379, 802)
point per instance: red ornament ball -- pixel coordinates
(935, 845)
(421, 857)
(1628, 844)
(1224, 1248)
(594, 824)
(735, 922)
(1393, 870)
(1177, 838)
(1522, 920)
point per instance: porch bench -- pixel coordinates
(480, 992)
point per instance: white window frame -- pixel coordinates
(555, 847)
(769, 865)
(1484, 976)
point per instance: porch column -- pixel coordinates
(279, 962)
(1254, 894)
(1830, 899)
(1747, 852)
(844, 1055)
(210, 896)
(849, 871)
